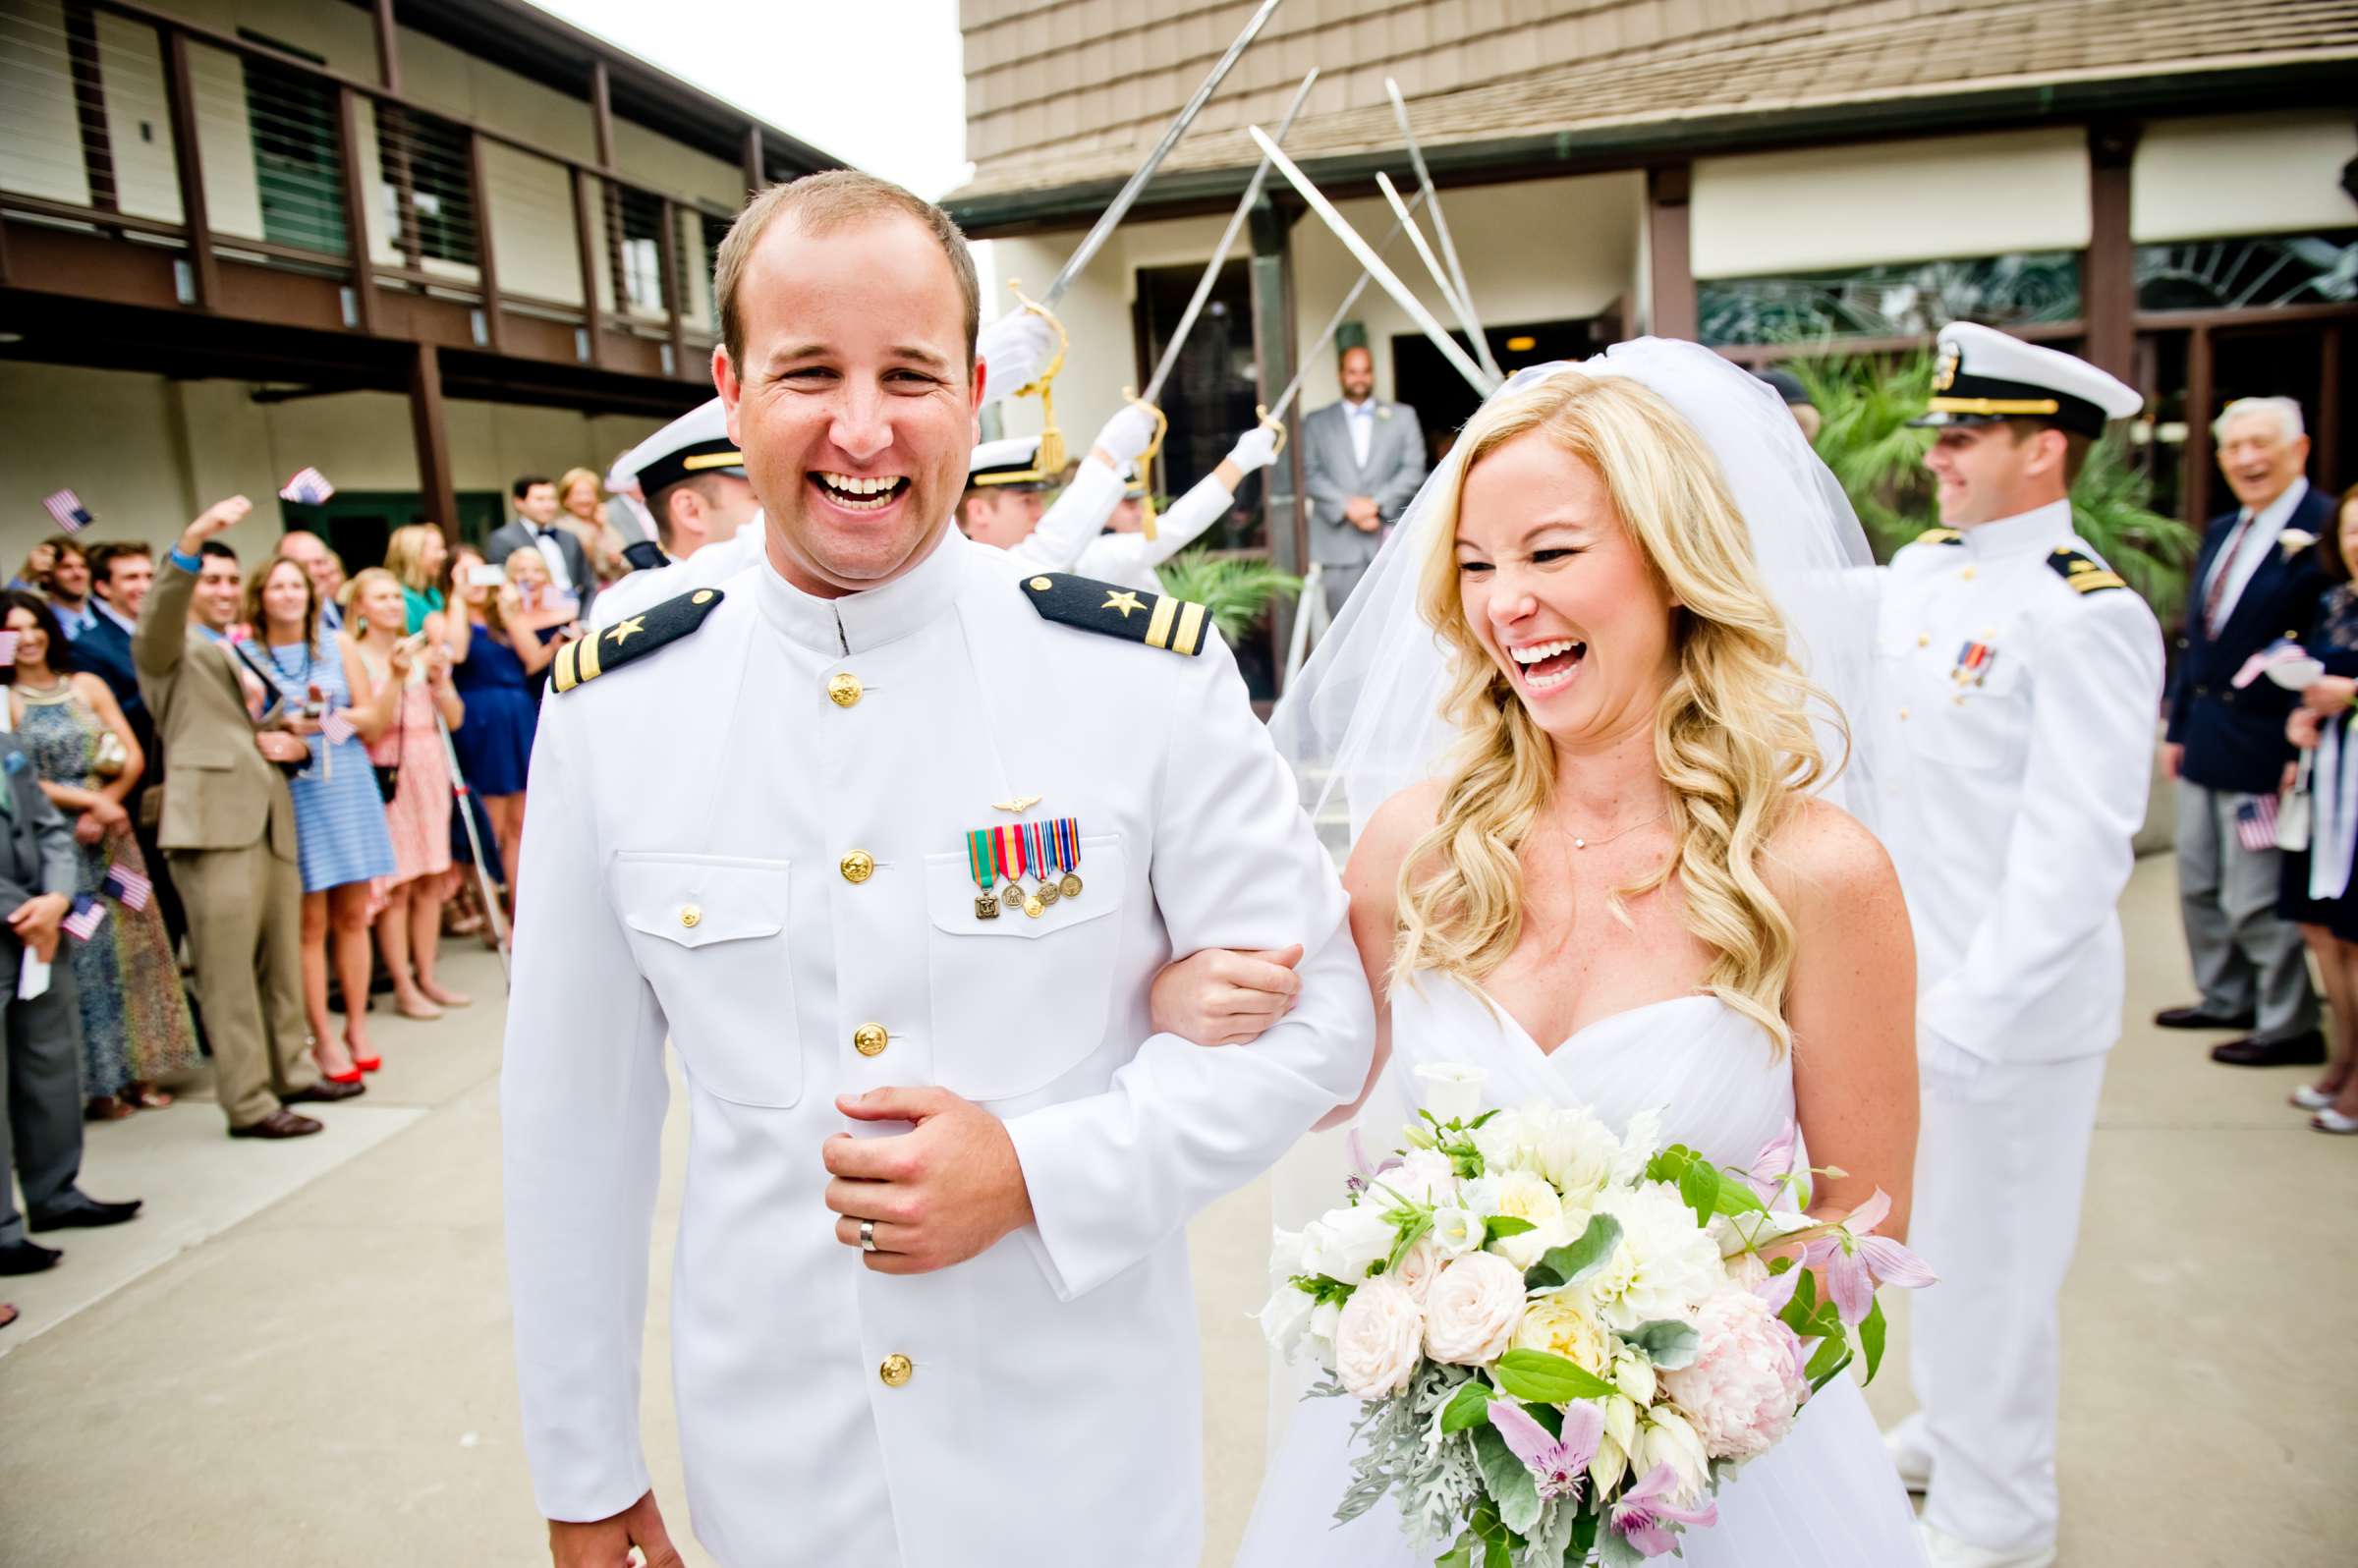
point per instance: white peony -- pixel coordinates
(1573, 1150)
(1423, 1176)
(1378, 1340)
(1526, 1196)
(1502, 1143)
(1417, 1266)
(1345, 1242)
(1665, 1266)
(1472, 1309)
(1455, 1231)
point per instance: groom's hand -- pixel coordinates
(939, 1194)
(607, 1543)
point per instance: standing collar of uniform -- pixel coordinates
(2278, 511)
(858, 622)
(2039, 529)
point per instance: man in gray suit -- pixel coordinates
(537, 525)
(1362, 461)
(40, 1089)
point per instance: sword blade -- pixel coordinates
(1402, 294)
(1334, 322)
(1112, 217)
(1433, 264)
(1219, 254)
(1441, 226)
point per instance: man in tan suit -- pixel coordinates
(228, 831)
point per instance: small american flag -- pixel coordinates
(2256, 823)
(130, 887)
(67, 508)
(84, 921)
(2283, 651)
(308, 485)
(335, 726)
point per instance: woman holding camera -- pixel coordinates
(497, 660)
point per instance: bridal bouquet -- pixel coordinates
(1566, 1339)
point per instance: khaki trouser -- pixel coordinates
(245, 935)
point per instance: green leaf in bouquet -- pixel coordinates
(1496, 1553)
(1737, 1197)
(1469, 1407)
(1322, 1288)
(1419, 1223)
(1482, 1119)
(1460, 1556)
(1834, 1353)
(1871, 1338)
(1613, 1550)
(1569, 1265)
(1513, 1488)
(1699, 1184)
(1549, 1378)
(1498, 1225)
(1670, 1164)
(1584, 1539)
(1801, 1310)
(1669, 1343)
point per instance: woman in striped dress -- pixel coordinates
(135, 1028)
(340, 837)
(2319, 889)
(410, 677)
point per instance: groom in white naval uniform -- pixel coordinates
(2019, 686)
(931, 1301)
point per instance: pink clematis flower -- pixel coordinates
(1561, 1464)
(1774, 1163)
(1856, 1261)
(1642, 1512)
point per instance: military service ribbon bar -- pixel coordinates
(1047, 850)
(983, 865)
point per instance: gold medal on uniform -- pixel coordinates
(1038, 841)
(1064, 837)
(983, 865)
(1013, 861)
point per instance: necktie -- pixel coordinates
(2217, 592)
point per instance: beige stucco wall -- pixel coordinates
(2246, 174)
(144, 454)
(1541, 250)
(1828, 207)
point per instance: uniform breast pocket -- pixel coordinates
(709, 934)
(1984, 725)
(1019, 1002)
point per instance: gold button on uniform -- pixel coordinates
(869, 1040)
(844, 690)
(1924, 640)
(1903, 714)
(896, 1370)
(691, 916)
(858, 867)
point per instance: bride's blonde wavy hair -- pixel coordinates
(1733, 735)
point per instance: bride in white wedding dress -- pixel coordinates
(1618, 886)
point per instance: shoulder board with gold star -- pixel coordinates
(1938, 536)
(634, 637)
(2082, 575)
(1154, 619)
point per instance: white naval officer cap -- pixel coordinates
(697, 442)
(1011, 464)
(1983, 375)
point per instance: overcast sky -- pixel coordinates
(878, 85)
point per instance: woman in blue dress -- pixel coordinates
(494, 667)
(340, 833)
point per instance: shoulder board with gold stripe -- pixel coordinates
(2082, 575)
(1938, 536)
(634, 637)
(1154, 619)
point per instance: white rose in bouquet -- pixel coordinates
(1452, 1091)
(1667, 1263)
(1378, 1340)
(1472, 1311)
(1563, 1326)
(1416, 1267)
(1345, 1242)
(1744, 1386)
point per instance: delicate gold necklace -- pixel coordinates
(1580, 843)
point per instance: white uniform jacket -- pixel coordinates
(1078, 516)
(709, 566)
(2013, 733)
(1049, 1406)
(1130, 559)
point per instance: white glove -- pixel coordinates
(1257, 448)
(1127, 434)
(1014, 349)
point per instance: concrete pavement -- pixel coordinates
(299, 1355)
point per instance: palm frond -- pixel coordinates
(1236, 589)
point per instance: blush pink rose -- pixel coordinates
(1472, 1309)
(1380, 1339)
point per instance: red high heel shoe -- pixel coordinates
(351, 1077)
(366, 1064)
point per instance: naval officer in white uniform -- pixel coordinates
(2019, 682)
(971, 1340)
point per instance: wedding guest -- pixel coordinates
(38, 562)
(536, 527)
(408, 678)
(340, 835)
(418, 558)
(2319, 898)
(495, 665)
(119, 577)
(326, 568)
(1362, 461)
(67, 586)
(585, 515)
(135, 1028)
(543, 613)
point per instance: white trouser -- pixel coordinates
(2001, 1159)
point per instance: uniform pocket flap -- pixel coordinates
(696, 901)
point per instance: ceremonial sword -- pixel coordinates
(1441, 226)
(1402, 294)
(1433, 265)
(1334, 324)
(1052, 454)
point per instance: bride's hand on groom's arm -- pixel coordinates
(939, 1194)
(1219, 997)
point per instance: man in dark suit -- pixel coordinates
(2257, 579)
(1362, 461)
(119, 577)
(537, 525)
(40, 1089)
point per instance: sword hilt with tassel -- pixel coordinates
(1274, 426)
(1051, 459)
(1146, 461)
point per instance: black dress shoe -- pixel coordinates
(279, 1124)
(28, 1258)
(88, 1214)
(2196, 1018)
(324, 1093)
(2298, 1050)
